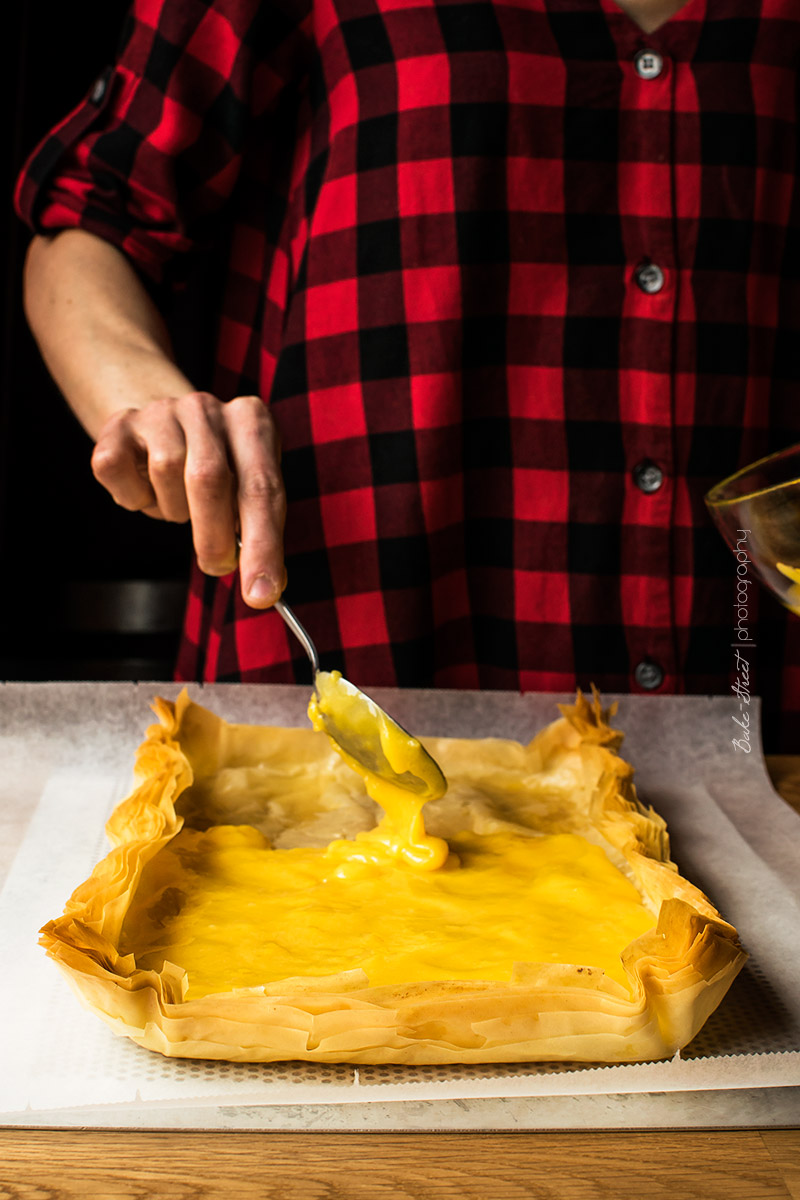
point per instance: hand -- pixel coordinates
(192, 458)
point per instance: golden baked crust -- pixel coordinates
(196, 768)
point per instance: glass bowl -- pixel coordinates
(757, 511)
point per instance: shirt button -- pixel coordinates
(650, 278)
(97, 94)
(648, 675)
(648, 476)
(649, 65)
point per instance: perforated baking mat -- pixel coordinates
(730, 834)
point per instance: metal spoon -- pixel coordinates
(362, 730)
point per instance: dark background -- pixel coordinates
(88, 591)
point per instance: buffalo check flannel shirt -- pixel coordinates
(519, 282)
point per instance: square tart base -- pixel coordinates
(195, 768)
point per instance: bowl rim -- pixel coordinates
(713, 498)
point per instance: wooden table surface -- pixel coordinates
(610, 1165)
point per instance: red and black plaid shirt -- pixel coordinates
(519, 283)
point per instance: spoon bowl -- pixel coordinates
(369, 740)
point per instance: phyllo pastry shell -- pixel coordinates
(272, 790)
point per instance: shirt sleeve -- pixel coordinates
(153, 153)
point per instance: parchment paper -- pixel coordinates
(731, 835)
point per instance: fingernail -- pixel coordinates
(263, 588)
(217, 572)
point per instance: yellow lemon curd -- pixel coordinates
(401, 905)
(401, 832)
(235, 913)
(792, 597)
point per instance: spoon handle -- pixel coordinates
(299, 632)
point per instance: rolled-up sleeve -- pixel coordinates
(153, 153)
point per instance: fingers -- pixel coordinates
(260, 498)
(194, 458)
(166, 458)
(119, 463)
(209, 484)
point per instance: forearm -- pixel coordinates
(99, 332)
